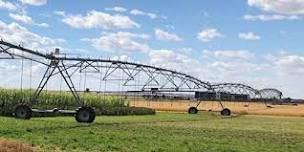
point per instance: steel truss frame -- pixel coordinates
(271, 93)
(172, 81)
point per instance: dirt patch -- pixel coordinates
(7, 145)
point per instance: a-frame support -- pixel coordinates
(59, 65)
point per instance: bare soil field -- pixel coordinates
(252, 108)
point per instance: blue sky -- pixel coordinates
(256, 42)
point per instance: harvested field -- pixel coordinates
(7, 145)
(252, 108)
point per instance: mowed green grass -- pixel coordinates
(161, 132)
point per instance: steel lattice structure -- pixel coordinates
(237, 88)
(143, 77)
(270, 93)
(164, 80)
(174, 81)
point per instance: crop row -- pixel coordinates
(51, 99)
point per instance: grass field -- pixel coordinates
(161, 132)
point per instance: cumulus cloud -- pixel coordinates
(122, 58)
(166, 36)
(137, 12)
(287, 64)
(279, 6)
(16, 33)
(186, 50)
(165, 56)
(208, 35)
(121, 41)
(282, 71)
(275, 17)
(249, 36)
(60, 13)
(236, 72)
(96, 19)
(214, 70)
(117, 9)
(23, 18)
(229, 55)
(171, 59)
(8, 5)
(34, 2)
(287, 72)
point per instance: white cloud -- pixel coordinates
(233, 65)
(166, 36)
(16, 33)
(137, 12)
(229, 55)
(216, 70)
(122, 58)
(117, 9)
(95, 19)
(175, 61)
(287, 73)
(279, 6)
(8, 5)
(21, 18)
(26, 19)
(121, 41)
(34, 2)
(42, 24)
(60, 13)
(165, 56)
(249, 36)
(233, 71)
(19, 35)
(186, 50)
(283, 71)
(287, 64)
(208, 35)
(276, 17)
(237, 66)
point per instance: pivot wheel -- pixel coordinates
(23, 111)
(225, 112)
(85, 115)
(192, 110)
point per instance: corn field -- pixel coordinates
(62, 100)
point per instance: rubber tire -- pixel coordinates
(22, 111)
(226, 112)
(192, 110)
(85, 115)
(92, 115)
(2, 105)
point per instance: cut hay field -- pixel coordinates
(253, 108)
(172, 132)
(14, 146)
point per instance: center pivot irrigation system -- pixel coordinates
(134, 77)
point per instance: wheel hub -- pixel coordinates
(23, 111)
(85, 115)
